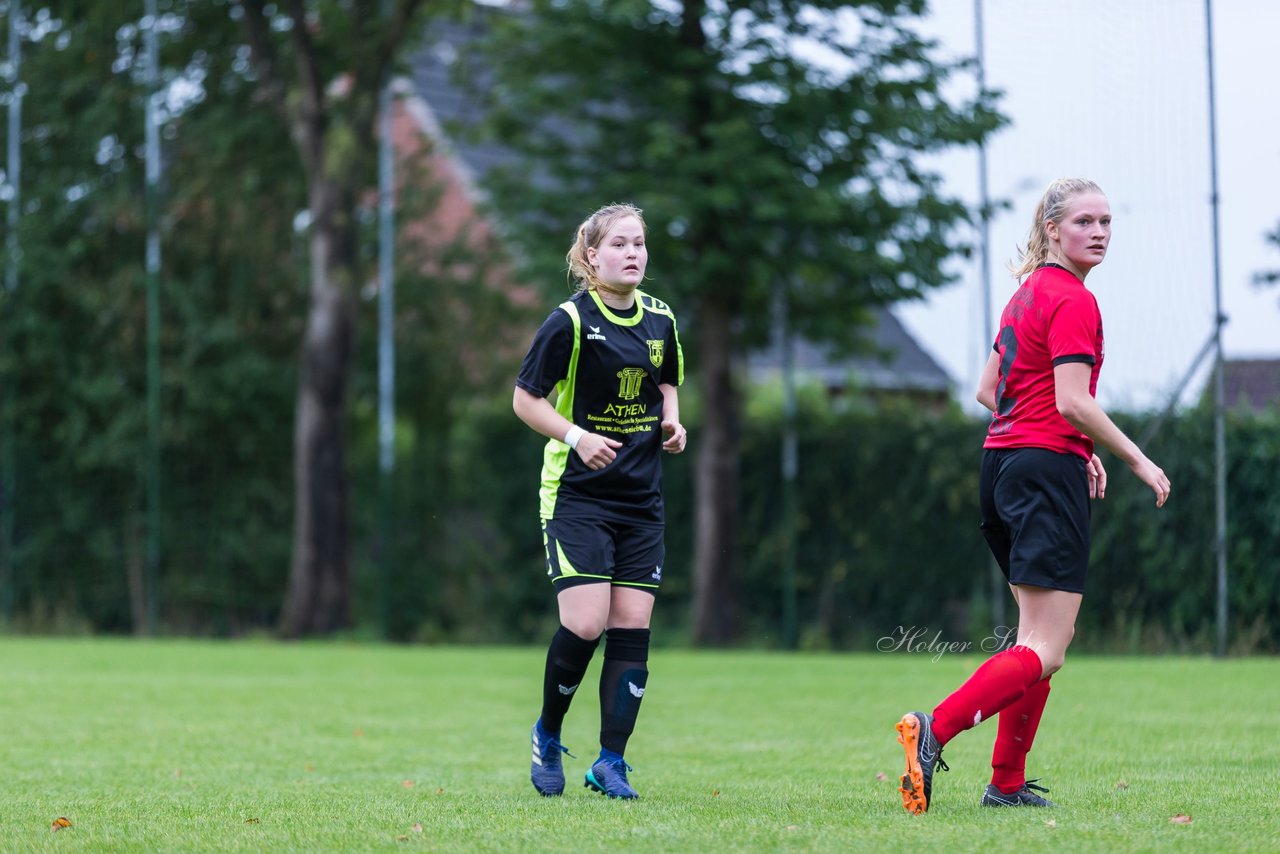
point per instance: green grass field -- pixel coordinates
(191, 746)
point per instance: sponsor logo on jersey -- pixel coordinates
(594, 334)
(631, 378)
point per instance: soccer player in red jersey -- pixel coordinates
(1038, 474)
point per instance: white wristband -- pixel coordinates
(573, 435)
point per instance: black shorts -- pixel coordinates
(596, 551)
(1035, 516)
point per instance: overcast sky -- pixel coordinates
(1118, 92)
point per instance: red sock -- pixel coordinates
(1000, 680)
(1017, 730)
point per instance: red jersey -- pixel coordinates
(1051, 319)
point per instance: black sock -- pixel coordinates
(622, 681)
(567, 660)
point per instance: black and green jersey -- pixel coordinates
(605, 368)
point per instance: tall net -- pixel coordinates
(1117, 93)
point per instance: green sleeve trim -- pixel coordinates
(555, 456)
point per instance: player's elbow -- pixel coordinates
(1072, 408)
(521, 401)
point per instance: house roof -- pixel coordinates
(1255, 382)
(450, 108)
(897, 361)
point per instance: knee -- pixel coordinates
(585, 626)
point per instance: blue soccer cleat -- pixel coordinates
(545, 771)
(608, 776)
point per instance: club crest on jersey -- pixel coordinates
(655, 353)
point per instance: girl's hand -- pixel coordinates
(674, 437)
(1097, 478)
(597, 451)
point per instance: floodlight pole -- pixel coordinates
(790, 454)
(1219, 382)
(8, 441)
(152, 120)
(386, 348)
(998, 585)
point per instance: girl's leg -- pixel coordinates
(1046, 625)
(626, 666)
(622, 685)
(1017, 729)
(584, 609)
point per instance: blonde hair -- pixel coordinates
(582, 276)
(1052, 207)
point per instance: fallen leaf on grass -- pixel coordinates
(252, 820)
(1050, 823)
(793, 827)
(59, 823)
(1180, 819)
(177, 772)
(408, 784)
(358, 733)
(1122, 784)
(440, 791)
(417, 828)
(715, 793)
(881, 776)
(310, 767)
(402, 838)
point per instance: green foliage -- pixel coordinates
(75, 356)
(755, 163)
(887, 502)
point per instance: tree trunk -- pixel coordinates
(715, 570)
(318, 600)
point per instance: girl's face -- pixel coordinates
(621, 257)
(1080, 239)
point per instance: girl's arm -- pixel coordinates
(1071, 386)
(674, 435)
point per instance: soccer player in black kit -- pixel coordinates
(612, 356)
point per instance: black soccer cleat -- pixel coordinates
(915, 733)
(1024, 797)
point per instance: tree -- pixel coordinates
(773, 145)
(74, 329)
(321, 65)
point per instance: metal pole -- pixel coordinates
(8, 443)
(153, 320)
(790, 454)
(386, 344)
(998, 586)
(1219, 388)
